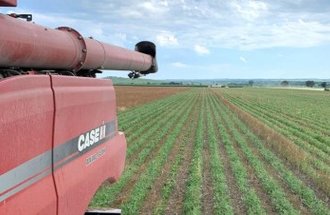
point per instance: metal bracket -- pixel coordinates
(134, 74)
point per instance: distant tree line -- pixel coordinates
(308, 83)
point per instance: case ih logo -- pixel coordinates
(89, 138)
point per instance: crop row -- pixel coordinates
(319, 151)
(187, 135)
(251, 200)
(302, 120)
(149, 128)
(135, 115)
(316, 135)
(239, 132)
(108, 194)
(222, 204)
(306, 194)
(170, 183)
(192, 204)
(297, 186)
(142, 187)
(311, 107)
(321, 158)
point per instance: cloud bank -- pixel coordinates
(235, 24)
(244, 25)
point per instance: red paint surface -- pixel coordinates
(28, 45)
(10, 3)
(26, 125)
(83, 104)
(26, 129)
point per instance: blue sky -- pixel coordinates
(205, 39)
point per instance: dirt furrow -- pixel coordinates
(207, 191)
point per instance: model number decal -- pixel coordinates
(89, 138)
(94, 157)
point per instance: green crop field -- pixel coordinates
(225, 151)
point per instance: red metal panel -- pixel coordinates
(10, 3)
(83, 104)
(26, 125)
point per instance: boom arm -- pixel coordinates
(26, 46)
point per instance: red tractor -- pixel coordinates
(58, 125)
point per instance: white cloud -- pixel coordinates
(249, 10)
(154, 6)
(243, 59)
(201, 50)
(166, 39)
(179, 65)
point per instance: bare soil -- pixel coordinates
(207, 191)
(131, 96)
